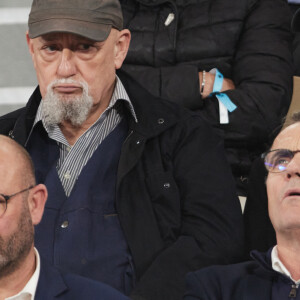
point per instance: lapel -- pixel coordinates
(25, 121)
(257, 288)
(50, 284)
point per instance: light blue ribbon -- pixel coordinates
(221, 96)
(226, 101)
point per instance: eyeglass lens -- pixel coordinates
(277, 160)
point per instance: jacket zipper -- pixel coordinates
(293, 292)
(128, 136)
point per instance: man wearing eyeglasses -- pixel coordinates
(23, 274)
(276, 273)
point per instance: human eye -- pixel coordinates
(86, 50)
(85, 47)
(50, 48)
(280, 159)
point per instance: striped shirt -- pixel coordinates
(72, 159)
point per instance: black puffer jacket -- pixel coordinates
(249, 41)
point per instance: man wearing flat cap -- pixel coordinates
(139, 189)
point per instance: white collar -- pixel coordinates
(29, 290)
(278, 266)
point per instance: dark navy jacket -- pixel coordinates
(253, 280)
(175, 195)
(54, 284)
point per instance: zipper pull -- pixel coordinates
(169, 19)
(11, 134)
(293, 292)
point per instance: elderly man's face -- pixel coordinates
(284, 188)
(16, 227)
(72, 59)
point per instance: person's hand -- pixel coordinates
(227, 85)
(209, 84)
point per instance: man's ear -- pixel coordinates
(36, 202)
(29, 43)
(121, 47)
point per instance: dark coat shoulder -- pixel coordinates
(54, 284)
(246, 280)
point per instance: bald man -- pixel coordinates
(23, 274)
(275, 274)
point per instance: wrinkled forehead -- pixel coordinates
(289, 138)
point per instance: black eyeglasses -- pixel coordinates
(4, 199)
(277, 160)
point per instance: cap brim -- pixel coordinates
(93, 31)
(296, 21)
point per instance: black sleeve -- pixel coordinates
(178, 83)
(262, 73)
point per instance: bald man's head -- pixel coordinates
(21, 206)
(14, 158)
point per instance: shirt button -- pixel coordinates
(68, 149)
(65, 224)
(167, 185)
(160, 121)
(67, 175)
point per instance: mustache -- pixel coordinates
(61, 81)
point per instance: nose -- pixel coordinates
(66, 67)
(293, 168)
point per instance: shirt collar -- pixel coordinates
(118, 94)
(278, 266)
(30, 287)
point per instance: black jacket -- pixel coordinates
(249, 41)
(175, 195)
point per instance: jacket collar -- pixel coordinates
(258, 284)
(154, 115)
(265, 261)
(25, 120)
(50, 284)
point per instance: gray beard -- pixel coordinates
(57, 108)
